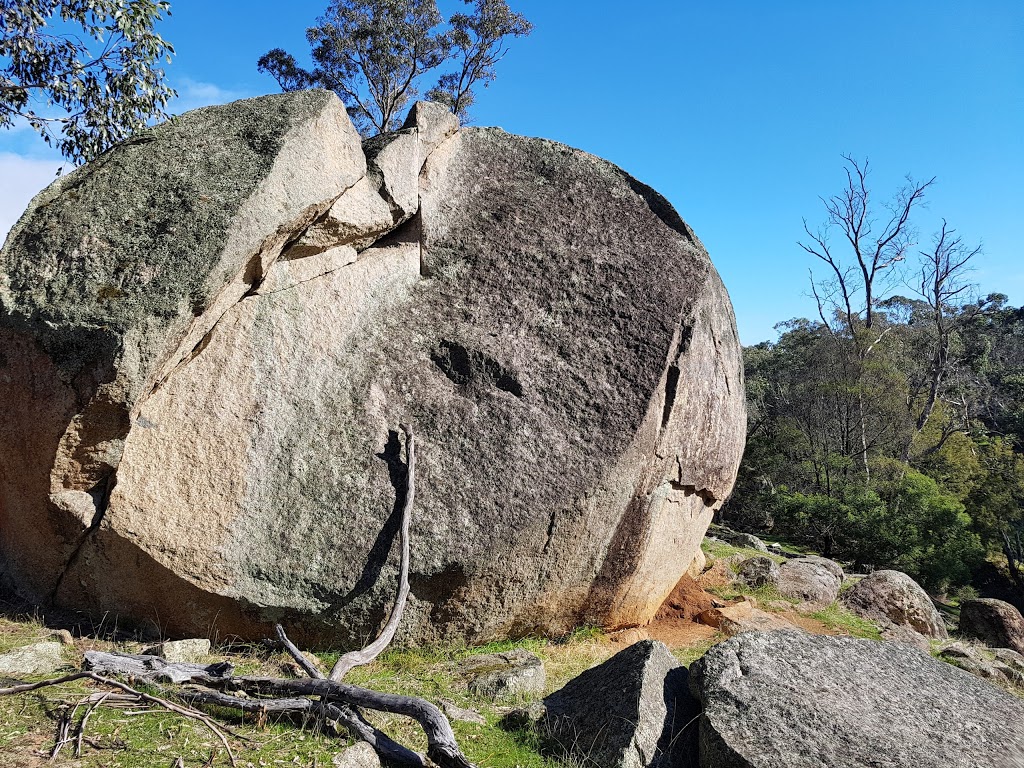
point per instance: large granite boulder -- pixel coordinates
(789, 700)
(629, 712)
(810, 580)
(209, 337)
(995, 622)
(894, 600)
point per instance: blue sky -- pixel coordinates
(738, 112)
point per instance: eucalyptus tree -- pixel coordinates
(84, 74)
(374, 53)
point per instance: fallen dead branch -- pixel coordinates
(325, 697)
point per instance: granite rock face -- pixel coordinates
(789, 700)
(625, 712)
(995, 622)
(809, 579)
(213, 331)
(893, 598)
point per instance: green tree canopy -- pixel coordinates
(83, 73)
(373, 53)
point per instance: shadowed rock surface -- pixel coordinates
(789, 700)
(995, 622)
(628, 712)
(209, 396)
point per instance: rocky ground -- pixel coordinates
(493, 693)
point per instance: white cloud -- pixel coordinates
(20, 179)
(193, 94)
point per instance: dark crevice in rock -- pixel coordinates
(470, 369)
(671, 388)
(704, 494)
(100, 494)
(551, 533)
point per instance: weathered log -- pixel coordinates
(441, 744)
(147, 667)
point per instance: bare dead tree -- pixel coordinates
(334, 702)
(874, 247)
(942, 282)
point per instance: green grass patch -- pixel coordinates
(715, 549)
(836, 616)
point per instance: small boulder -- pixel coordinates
(515, 673)
(714, 617)
(523, 718)
(738, 539)
(359, 755)
(794, 700)
(700, 562)
(624, 713)
(35, 659)
(721, 572)
(893, 597)
(757, 621)
(985, 664)
(182, 651)
(831, 565)
(995, 622)
(759, 572)
(454, 712)
(809, 580)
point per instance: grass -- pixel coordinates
(140, 736)
(838, 617)
(716, 549)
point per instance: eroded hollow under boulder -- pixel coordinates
(205, 405)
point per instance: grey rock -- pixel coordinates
(790, 700)
(626, 712)
(894, 633)
(35, 659)
(758, 572)
(739, 538)
(515, 673)
(454, 712)
(189, 651)
(985, 663)
(551, 328)
(521, 718)
(359, 755)
(393, 160)
(113, 278)
(892, 596)
(434, 123)
(995, 622)
(809, 580)
(830, 565)
(1010, 658)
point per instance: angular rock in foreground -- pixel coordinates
(628, 712)
(792, 700)
(212, 332)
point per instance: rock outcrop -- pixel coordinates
(629, 712)
(208, 336)
(809, 579)
(895, 600)
(995, 622)
(789, 700)
(758, 572)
